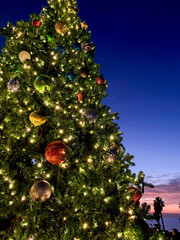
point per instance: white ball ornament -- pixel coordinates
(24, 55)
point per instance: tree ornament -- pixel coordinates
(71, 76)
(86, 46)
(49, 37)
(60, 49)
(116, 146)
(40, 191)
(90, 56)
(37, 118)
(111, 155)
(36, 23)
(100, 80)
(24, 55)
(76, 9)
(42, 83)
(13, 85)
(84, 25)
(77, 46)
(81, 96)
(137, 194)
(91, 116)
(84, 72)
(55, 152)
(17, 69)
(61, 27)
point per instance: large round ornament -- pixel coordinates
(60, 49)
(36, 23)
(71, 76)
(137, 194)
(40, 191)
(84, 72)
(86, 46)
(24, 55)
(61, 27)
(13, 85)
(91, 116)
(111, 155)
(42, 83)
(55, 152)
(77, 46)
(37, 118)
(100, 80)
(84, 25)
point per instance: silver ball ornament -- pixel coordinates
(13, 85)
(91, 116)
(40, 191)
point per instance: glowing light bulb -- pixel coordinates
(23, 198)
(85, 225)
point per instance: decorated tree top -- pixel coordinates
(64, 173)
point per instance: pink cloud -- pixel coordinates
(169, 192)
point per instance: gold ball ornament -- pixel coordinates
(40, 191)
(61, 27)
(24, 55)
(37, 118)
(84, 25)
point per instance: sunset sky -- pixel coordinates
(138, 45)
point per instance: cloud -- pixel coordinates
(169, 191)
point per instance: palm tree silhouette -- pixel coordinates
(158, 207)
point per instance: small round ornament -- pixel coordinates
(111, 155)
(36, 23)
(76, 9)
(91, 116)
(13, 85)
(77, 46)
(24, 55)
(55, 152)
(60, 49)
(84, 25)
(100, 80)
(86, 46)
(37, 118)
(40, 191)
(84, 72)
(71, 76)
(42, 83)
(137, 194)
(61, 27)
(81, 96)
(49, 37)
(90, 56)
(18, 69)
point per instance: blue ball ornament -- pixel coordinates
(60, 49)
(71, 76)
(77, 46)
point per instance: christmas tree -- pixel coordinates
(64, 172)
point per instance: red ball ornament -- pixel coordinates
(137, 195)
(81, 96)
(36, 23)
(100, 80)
(55, 152)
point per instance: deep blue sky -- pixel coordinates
(138, 44)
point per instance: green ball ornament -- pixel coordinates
(42, 83)
(90, 56)
(49, 37)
